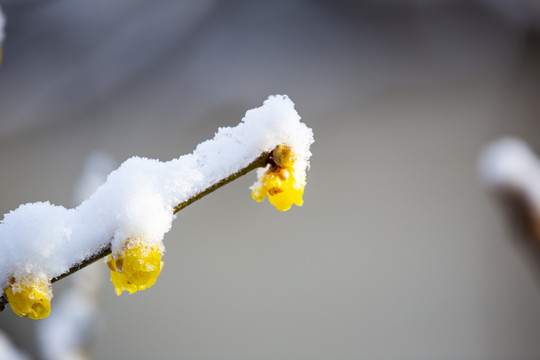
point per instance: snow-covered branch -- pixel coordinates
(128, 216)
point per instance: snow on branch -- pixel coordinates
(509, 164)
(128, 216)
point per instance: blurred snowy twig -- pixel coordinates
(510, 168)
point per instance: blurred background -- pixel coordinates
(399, 252)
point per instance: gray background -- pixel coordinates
(398, 251)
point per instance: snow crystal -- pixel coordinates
(510, 163)
(138, 198)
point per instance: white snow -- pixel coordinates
(138, 198)
(510, 163)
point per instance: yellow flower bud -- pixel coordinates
(283, 156)
(136, 268)
(30, 297)
(279, 182)
(259, 192)
(291, 193)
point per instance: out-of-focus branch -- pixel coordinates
(512, 172)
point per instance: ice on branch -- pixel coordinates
(133, 209)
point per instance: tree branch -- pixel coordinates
(260, 161)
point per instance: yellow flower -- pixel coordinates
(280, 181)
(136, 267)
(30, 297)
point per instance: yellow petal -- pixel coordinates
(282, 201)
(286, 193)
(280, 181)
(30, 297)
(137, 268)
(258, 193)
(297, 193)
(274, 183)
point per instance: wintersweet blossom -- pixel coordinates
(137, 267)
(133, 210)
(30, 296)
(282, 181)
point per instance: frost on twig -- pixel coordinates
(128, 216)
(511, 169)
